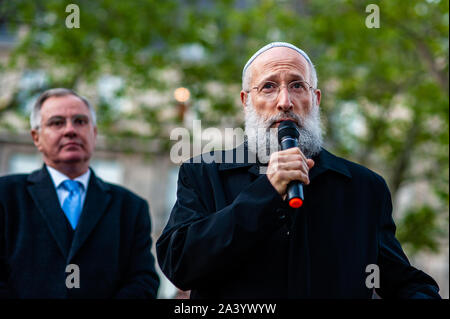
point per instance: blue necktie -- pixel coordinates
(72, 204)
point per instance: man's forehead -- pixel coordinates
(58, 104)
(281, 58)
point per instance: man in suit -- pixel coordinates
(231, 233)
(65, 233)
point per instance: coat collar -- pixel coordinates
(324, 161)
(42, 190)
(239, 157)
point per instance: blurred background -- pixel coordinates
(151, 66)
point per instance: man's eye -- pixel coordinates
(298, 86)
(56, 123)
(80, 121)
(268, 86)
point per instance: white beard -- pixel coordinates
(263, 140)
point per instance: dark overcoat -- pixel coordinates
(111, 244)
(230, 235)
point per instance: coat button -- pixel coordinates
(281, 213)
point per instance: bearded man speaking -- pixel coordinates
(231, 233)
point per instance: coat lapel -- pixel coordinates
(44, 195)
(231, 160)
(96, 202)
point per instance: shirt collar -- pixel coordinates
(58, 177)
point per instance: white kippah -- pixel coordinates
(274, 45)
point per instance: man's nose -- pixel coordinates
(69, 129)
(284, 99)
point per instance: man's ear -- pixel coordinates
(95, 135)
(36, 140)
(318, 96)
(244, 97)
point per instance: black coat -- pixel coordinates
(230, 235)
(111, 244)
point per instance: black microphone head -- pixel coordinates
(287, 128)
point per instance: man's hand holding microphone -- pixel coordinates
(288, 169)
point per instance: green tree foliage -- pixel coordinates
(385, 90)
(419, 229)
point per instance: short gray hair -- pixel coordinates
(35, 116)
(248, 66)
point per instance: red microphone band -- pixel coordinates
(295, 202)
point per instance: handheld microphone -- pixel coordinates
(288, 138)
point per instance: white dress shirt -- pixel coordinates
(58, 178)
